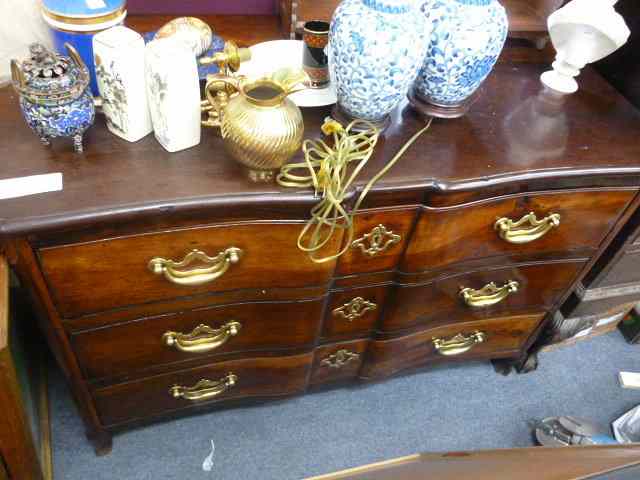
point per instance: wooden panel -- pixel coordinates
(139, 345)
(18, 455)
(440, 303)
(338, 361)
(256, 377)
(451, 235)
(4, 304)
(529, 15)
(625, 271)
(106, 274)
(346, 316)
(246, 30)
(504, 337)
(535, 463)
(396, 222)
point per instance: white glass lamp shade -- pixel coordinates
(582, 32)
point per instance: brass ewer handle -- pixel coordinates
(527, 229)
(214, 267)
(202, 339)
(489, 295)
(204, 389)
(459, 344)
(217, 92)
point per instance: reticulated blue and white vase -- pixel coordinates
(55, 97)
(467, 38)
(375, 50)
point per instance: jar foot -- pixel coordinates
(45, 141)
(77, 143)
(427, 108)
(261, 176)
(345, 119)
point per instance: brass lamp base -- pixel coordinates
(345, 119)
(427, 108)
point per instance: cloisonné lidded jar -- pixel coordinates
(375, 50)
(54, 96)
(467, 38)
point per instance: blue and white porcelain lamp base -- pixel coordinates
(467, 38)
(376, 48)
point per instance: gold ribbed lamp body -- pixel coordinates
(262, 138)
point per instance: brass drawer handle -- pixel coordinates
(527, 229)
(214, 267)
(489, 295)
(355, 308)
(202, 339)
(339, 359)
(376, 241)
(459, 344)
(204, 389)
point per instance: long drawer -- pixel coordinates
(106, 274)
(531, 287)
(246, 378)
(494, 338)
(562, 222)
(197, 335)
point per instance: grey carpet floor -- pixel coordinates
(455, 407)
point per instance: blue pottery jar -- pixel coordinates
(77, 21)
(375, 50)
(54, 94)
(467, 38)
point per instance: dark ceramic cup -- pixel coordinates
(314, 58)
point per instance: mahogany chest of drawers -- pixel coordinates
(167, 284)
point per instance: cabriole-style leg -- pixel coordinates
(102, 442)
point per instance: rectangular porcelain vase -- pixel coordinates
(119, 55)
(173, 93)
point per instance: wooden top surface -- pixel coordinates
(515, 135)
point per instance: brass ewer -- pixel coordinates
(261, 127)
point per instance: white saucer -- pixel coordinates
(268, 57)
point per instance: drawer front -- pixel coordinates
(150, 342)
(106, 274)
(353, 312)
(254, 377)
(442, 302)
(338, 361)
(450, 235)
(495, 338)
(380, 237)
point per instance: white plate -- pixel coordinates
(268, 57)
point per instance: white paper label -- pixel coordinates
(630, 380)
(95, 4)
(32, 185)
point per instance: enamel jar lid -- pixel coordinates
(48, 78)
(84, 15)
